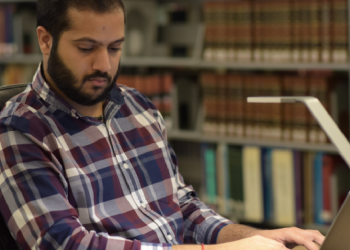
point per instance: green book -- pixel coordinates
(210, 171)
(235, 172)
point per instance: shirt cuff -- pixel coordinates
(154, 246)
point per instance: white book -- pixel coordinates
(283, 187)
(252, 185)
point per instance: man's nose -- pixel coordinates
(102, 61)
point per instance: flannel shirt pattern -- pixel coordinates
(69, 181)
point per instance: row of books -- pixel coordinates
(228, 113)
(7, 43)
(276, 186)
(14, 74)
(17, 29)
(276, 30)
(156, 87)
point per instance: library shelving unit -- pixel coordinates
(197, 64)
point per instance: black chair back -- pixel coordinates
(9, 91)
(7, 242)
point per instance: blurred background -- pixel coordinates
(266, 165)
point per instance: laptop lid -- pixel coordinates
(338, 236)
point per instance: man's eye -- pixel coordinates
(85, 49)
(114, 49)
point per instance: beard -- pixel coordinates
(66, 81)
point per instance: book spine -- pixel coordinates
(235, 163)
(267, 184)
(305, 31)
(308, 188)
(286, 30)
(318, 188)
(8, 12)
(325, 30)
(315, 30)
(298, 167)
(166, 90)
(209, 39)
(220, 53)
(209, 168)
(221, 104)
(209, 102)
(339, 30)
(258, 30)
(296, 6)
(244, 35)
(223, 190)
(327, 169)
(283, 187)
(252, 184)
(231, 30)
(230, 104)
(300, 125)
(239, 105)
(267, 40)
(2, 25)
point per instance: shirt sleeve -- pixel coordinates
(201, 224)
(34, 193)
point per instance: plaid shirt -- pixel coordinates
(69, 181)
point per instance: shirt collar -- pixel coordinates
(43, 89)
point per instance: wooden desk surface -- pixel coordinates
(299, 248)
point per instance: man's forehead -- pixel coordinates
(90, 19)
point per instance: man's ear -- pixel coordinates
(45, 40)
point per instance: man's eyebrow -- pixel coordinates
(86, 39)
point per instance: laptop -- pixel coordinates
(338, 236)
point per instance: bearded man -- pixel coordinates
(85, 162)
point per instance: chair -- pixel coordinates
(7, 242)
(7, 92)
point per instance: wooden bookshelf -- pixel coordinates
(199, 137)
(21, 59)
(168, 62)
(199, 64)
(17, 1)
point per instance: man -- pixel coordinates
(85, 164)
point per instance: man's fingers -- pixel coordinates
(306, 238)
(294, 236)
(315, 236)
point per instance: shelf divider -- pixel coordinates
(200, 137)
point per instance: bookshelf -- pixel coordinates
(17, 1)
(199, 137)
(196, 65)
(168, 62)
(21, 59)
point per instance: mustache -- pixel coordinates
(98, 74)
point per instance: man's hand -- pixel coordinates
(252, 243)
(289, 237)
(293, 236)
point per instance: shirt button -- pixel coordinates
(125, 166)
(170, 237)
(143, 205)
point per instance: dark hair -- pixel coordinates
(53, 14)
